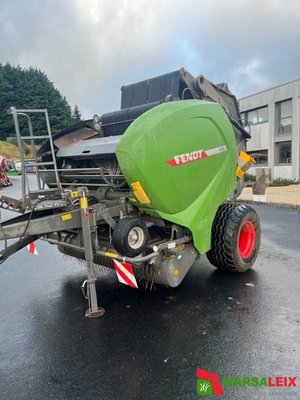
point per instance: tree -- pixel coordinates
(31, 88)
(76, 114)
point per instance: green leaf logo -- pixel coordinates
(204, 388)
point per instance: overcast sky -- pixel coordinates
(90, 48)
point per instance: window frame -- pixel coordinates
(279, 118)
(278, 144)
(252, 153)
(245, 115)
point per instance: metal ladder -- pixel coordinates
(50, 199)
(29, 197)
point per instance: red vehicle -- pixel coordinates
(4, 180)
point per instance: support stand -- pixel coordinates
(91, 293)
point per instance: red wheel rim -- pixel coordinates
(246, 240)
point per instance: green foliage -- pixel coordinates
(283, 182)
(249, 178)
(9, 150)
(30, 88)
(76, 115)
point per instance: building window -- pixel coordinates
(257, 116)
(284, 117)
(284, 152)
(260, 156)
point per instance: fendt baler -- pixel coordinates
(146, 189)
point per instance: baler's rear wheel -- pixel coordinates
(235, 238)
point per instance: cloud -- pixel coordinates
(90, 48)
(249, 76)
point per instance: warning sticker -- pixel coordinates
(244, 162)
(139, 193)
(66, 217)
(109, 254)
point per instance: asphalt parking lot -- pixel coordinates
(149, 344)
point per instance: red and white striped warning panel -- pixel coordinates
(125, 273)
(32, 248)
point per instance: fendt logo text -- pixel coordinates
(197, 155)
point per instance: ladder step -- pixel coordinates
(35, 137)
(36, 164)
(44, 110)
(43, 192)
(48, 204)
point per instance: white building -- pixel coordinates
(274, 118)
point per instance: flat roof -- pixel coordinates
(267, 90)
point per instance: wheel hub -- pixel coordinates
(246, 240)
(136, 237)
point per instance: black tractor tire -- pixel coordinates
(235, 238)
(130, 237)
